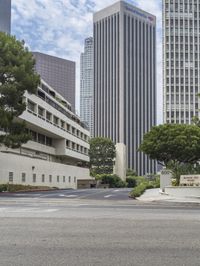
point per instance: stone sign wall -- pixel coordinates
(165, 179)
(190, 180)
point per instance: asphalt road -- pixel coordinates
(73, 232)
(95, 194)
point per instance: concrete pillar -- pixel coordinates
(120, 161)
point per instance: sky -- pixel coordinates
(59, 27)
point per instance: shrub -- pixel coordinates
(3, 187)
(113, 181)
(18, 187)
(131, 181)
(144, 184)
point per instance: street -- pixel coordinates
(96, 194)
(75, 231)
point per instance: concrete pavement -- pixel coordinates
(73, 232)
(154, 195)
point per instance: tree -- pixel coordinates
(102, 154)
(17, 75)
(172, 143)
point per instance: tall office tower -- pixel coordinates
(59, 74)
(125, 79)
(86, 84)
(5, 15)
(181, 65)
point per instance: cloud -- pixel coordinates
(59, 27)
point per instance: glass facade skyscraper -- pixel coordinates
(86, 84)
(5, 16)
(125, 79)
(181, 60)
(59, 73)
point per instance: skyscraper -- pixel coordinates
(181, 64)
(86, 84)
(125, 79)
(5, 15)
(59, 74)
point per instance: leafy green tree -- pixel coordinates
(17, 75)
(172, 143)
(102, 153)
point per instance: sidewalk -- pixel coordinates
(154, 195)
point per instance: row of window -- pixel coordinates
(76, 147)
(181, 114)
(44, 97)
(182, 39)
(173, 89)
(182, 80)
(181, 22)
(43, 178)
(181, 63)
(49, 117)
(180, 55)
(182, 72)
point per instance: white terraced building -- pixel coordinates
(57, 155)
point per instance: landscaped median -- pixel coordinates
(22, 188)
(142, 184)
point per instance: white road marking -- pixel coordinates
(117, 190)
(3, 209)
(29, 210)
(108, 196)
(71, 196)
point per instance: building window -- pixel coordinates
(63, 179)
(74, 179)
(43, 178)
(34, 178)
(23, 177)
(55, 120)
(41, 139)
(48, 141)
(69, 179)
(10, 177)
(58, 178)
(50, 178)
(40, 111)
(48, 116)
(62, 124)
(31, 106)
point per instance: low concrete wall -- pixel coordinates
(183, 191)
(46, 173)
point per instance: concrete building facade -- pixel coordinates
(5, 16)
(125, 79)
(59, 74)
(86, 84)
(57, 155)
(181, 62)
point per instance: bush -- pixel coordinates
(113, 181)
(131, 181)
(142, 185)
(3, 187)
(17, 187)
